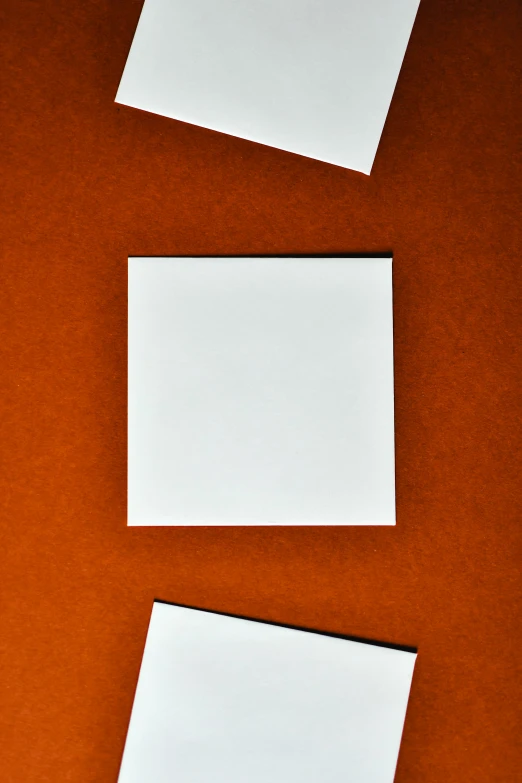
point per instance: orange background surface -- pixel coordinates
(86, 183)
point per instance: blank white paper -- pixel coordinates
(315, 77)
(260, 391)
(225, 699)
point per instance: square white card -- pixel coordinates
(225, 699)
(315, 77)
(260, 391)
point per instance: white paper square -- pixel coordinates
(225, 699)
(315, 77)
(260, 391)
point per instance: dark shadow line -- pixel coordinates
(377, 254)
(345, 637)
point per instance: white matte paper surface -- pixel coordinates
(260, 391)
(314, 77)
(230, 700)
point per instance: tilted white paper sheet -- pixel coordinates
(315, 77)
(260, 391)
(225, 699)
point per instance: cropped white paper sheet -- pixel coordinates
(315, 77)
(260, 391)
(226, 699)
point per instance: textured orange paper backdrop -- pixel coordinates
(87, 182)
